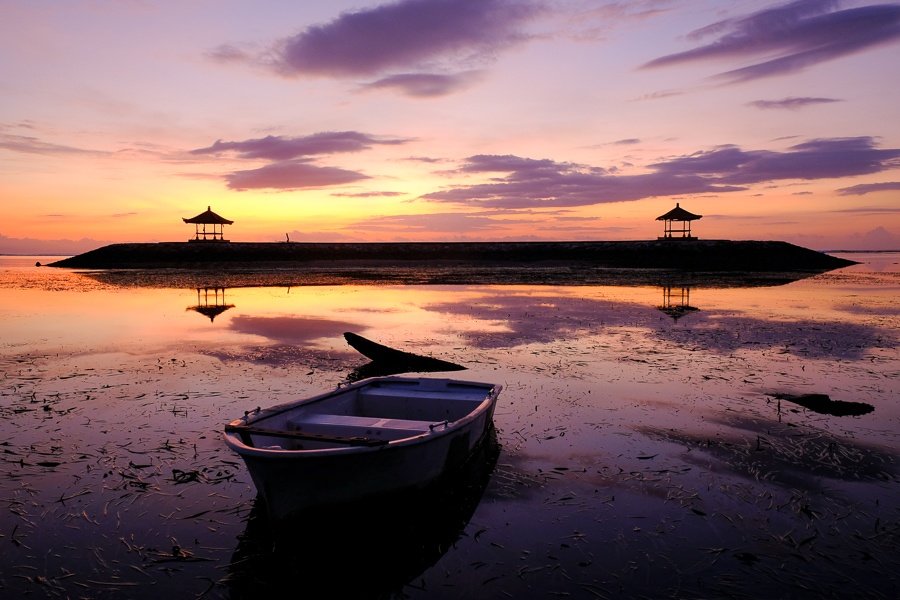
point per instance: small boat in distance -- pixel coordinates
(372, 437)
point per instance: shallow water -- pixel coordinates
(643, 445)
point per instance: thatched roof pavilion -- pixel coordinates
(216, 232)
(683, 218)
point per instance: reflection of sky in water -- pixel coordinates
(806, 318)
(624, 432)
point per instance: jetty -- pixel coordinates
(693, 255)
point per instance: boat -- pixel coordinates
(387, 356)
(369, 438)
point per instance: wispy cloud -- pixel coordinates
(527, 182)
(276, 147)
(11, 245)
(870, 188)
(292, 167)
(791, 103)
(791, 37)
(33, 145)
(231, 53)
(291, 175)
(459, 223)
(424, 85)
(375, 194)
(403, 35)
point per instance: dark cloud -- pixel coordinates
(527, 182)
(403, 35)
(869, 188)
(275, 147)
(792, 103)
(791, 37)
(424, 85)
(291, 175)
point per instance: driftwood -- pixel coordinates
(822, 404)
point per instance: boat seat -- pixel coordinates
(364, 422)
(371, 428)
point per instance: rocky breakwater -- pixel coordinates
(685, 255)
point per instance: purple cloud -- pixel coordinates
(815, 159)
(423, 85)
(32, 145)
(404, 34)
(229, 53)
(291, 175)
(791, 103)
(869, 188)
(276, 147)
(545, 183)
(792, 37)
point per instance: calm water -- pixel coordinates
(650, 440)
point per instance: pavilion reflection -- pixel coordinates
(210, 302)
(677, 301)
(379, 545)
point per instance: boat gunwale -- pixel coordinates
(232, 438)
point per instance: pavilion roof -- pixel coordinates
(208, 217)
(678, 214)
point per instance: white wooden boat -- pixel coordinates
(372, 437)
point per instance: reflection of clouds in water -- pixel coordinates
(540, 318)
(547, 318)
(878, 311)
(288, 356)
(291, 330)
(809, 339)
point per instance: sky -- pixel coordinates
(449, 120)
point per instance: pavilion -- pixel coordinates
(683, 219)
(216, 233)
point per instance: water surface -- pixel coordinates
(646, 439)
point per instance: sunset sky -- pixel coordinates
(348, 120)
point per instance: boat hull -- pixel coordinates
(291, 481)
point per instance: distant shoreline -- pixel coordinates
(676, 254)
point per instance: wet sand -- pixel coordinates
(638, 455)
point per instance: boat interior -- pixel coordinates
(368, 415)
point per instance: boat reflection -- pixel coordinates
(210, 302)
(377, 368)
(677, 301)
(368, 549)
